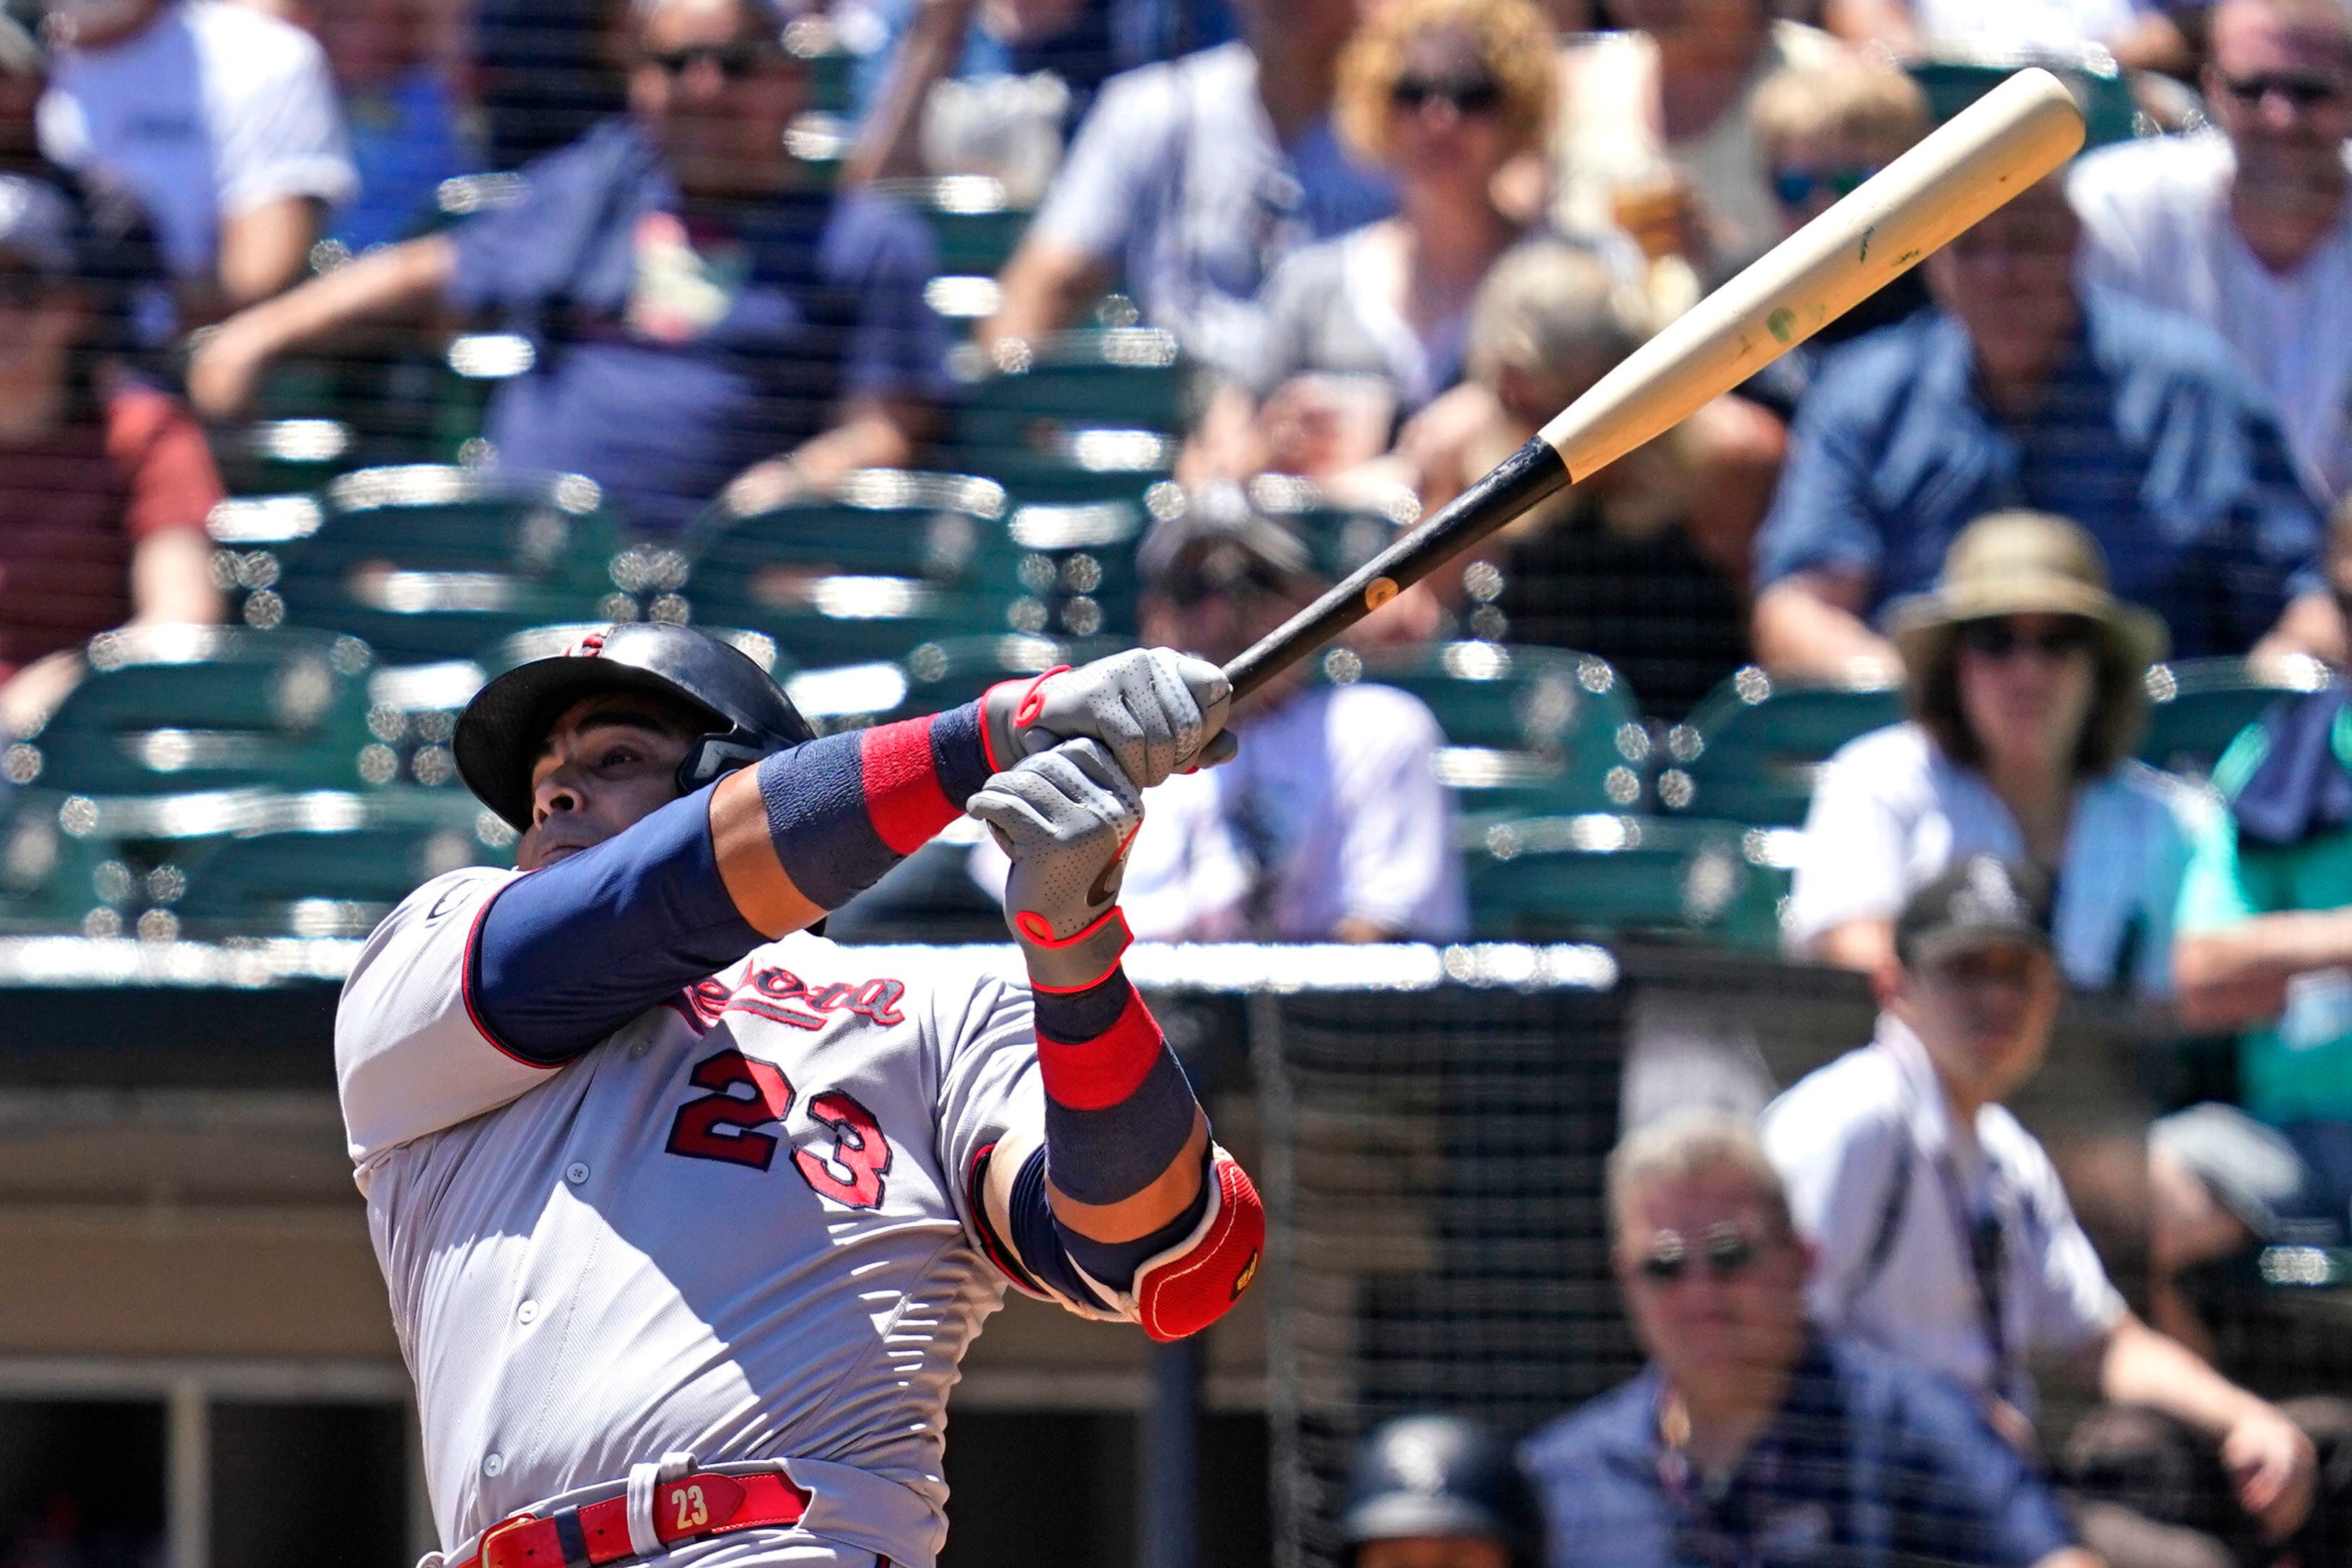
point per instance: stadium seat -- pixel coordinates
(175, 708)
(1077, 568)
(1340, 537)
(2196, 707)
(425, 562)
(940, 675)
(328, 864)
(1748, 751)
(51, 880)
(891, 561)
(1953, 83)
(1604, 875)
(1084, 416)
(1527, 730)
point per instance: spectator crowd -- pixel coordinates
(2108, 426)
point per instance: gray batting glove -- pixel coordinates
(1065, 817)
(1157, 712)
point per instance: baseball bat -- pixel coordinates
(2007, 139)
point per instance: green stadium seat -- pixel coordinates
(328, 864)
(176, 708)
(2196, 707)
(52, 880)
(1749, 750)
(2097, 83)
(891, 561)
(1084, 416)
(974, 226)
(1601, 875)
(1527, 730)
(1077, 570)
(427, 562)
(1342, 537)
(940, 675)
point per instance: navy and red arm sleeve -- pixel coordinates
(570, 953)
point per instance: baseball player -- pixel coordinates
(688, 1214)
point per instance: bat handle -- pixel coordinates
(1522, 479)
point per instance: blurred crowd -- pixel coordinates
(2109, 425)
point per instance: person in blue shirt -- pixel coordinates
(402, 114)
(2023, 389)
(704, 322)
(1750, 1441)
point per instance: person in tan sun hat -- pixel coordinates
(2023, 677)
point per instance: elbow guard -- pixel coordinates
(1193, 1284)
(1178, 1291)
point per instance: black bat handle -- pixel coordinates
(1518, 481)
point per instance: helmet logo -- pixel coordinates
(589, 646)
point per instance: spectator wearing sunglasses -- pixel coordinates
(2248, 227)
(2023, 677)
(1945, 1238)
(1331, 825)
(1750, 1438)
(1825, 127)
(2025, 388)
(706, 320)
(1362, 332)
(1657, 135)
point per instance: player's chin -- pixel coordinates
(539, 850)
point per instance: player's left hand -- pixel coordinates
(1064, 818)
(1155, 710)
(2275, 1468)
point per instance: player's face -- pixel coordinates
(1714, 1283)
(2280, 88)
(2026, 686)
(609, 761)
(1984, 1013)
(1434, 1551)
(717, 88)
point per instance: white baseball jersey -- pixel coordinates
(739, 1226)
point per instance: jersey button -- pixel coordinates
(492, 1466)
(575, 1172)
(528, 1313)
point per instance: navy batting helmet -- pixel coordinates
(500, 732)
(1437, 1476)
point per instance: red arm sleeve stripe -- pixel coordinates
(1107, 1070)
(903, 797)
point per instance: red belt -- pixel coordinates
(694, 1506)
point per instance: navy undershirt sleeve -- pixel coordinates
(1049, 1248)
(570, 953)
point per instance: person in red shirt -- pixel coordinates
(105, 480)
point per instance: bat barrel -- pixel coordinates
(2014, 136)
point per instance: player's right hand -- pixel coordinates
(1064, 818)
(1156, 711)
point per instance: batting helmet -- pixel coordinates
(1437, 1476)
(500, 732)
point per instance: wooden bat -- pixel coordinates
(2014, 136)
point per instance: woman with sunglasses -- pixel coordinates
(2023, 678)
(1366, 328)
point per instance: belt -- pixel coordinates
(672, 1502)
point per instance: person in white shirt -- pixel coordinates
(1943, 1234)
(2141, 34)
(1331, 825)
(2248, 227)
(2023, 677)
(221, 120)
